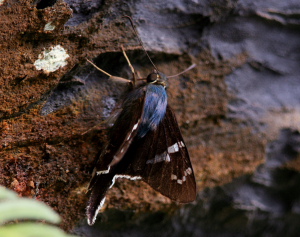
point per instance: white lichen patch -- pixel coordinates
(51, 60)
(48, 26)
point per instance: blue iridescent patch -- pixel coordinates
(156, 101)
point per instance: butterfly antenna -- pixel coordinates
(184, 71)
(141, 43)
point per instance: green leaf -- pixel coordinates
(31, 230)
(24, 209)
(6, 193)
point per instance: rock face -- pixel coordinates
(238, 109)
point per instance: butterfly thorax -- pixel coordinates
(155, 103)
(154, 108)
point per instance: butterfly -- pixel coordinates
(144, 143)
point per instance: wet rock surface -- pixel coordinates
(238, 110)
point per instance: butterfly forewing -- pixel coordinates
(162, 160)
(121, 136)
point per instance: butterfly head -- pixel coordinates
(157, 78)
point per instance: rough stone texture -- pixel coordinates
(242, 93)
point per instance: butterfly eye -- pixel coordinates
(152, 77)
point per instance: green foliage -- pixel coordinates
(13, 208)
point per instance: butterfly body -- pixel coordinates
(144, 143)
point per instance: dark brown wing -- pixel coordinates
(121, 134)
(162, 160)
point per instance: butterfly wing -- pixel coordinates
(121, 136)
(98, 188)
(162, 160)
(122, 133)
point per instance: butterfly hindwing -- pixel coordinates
(100, 185)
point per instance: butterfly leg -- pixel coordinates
(99, 126)
(111, 77)
(130, 65)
